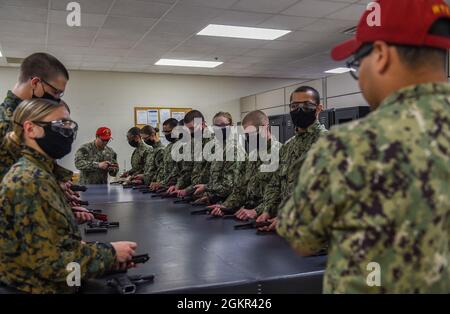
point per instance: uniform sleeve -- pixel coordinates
(272, 196)
(114, 172)
(184, 177)
(306, 218)
(83, 162)
(44, 248)
(221, 188)
(238, 196)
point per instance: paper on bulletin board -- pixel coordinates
(141, 117)
(178, 115)
(152, 118)
(164, 114)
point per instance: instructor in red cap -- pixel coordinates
(96, 160)
(375, 192)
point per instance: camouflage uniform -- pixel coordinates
(377, 190)
(38, 233)
(221, 178)
(138, 158)
(164, 176)
(292, 155)
(250, 182)
(154, 163)
(87, 159)
(196, 171)
(7, 109)
(10, 152)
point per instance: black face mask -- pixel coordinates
(303, 119)
(46, 96)
(170, 139)
(149, 142)
(133, 143)
(54, 144)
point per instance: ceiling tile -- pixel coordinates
(220, 4)
(174, 27)
(264, 6)
(87, 19)
(238, 18)
(145, 9)
(188, 13)
(87, 6)
(351, 13)
(25, 14)
(314, 8)
(19, 27)
(39, 4)
(328, 26)
(287, 22)
(132, 25)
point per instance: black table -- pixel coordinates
(194, 254)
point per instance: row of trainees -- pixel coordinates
(238, 182)
(39, 214)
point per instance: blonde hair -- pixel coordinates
(226, 115)
(256, 118)
(31, 110)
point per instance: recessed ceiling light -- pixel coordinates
(339, 70)
(188, 63)
(242, 32)
(1, 54)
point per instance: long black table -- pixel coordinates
(194, 254)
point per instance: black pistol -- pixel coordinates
(125, 284)
(96, 213)
(78, 188)
(184, 200)
(83, 203)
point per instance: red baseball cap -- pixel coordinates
(404, 22)
(104, 133)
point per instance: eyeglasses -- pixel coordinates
(355, 62)
(56, 91)
(66, 128)
(306, 106)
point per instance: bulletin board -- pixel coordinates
(155, 116)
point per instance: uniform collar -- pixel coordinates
(311, 129)
(43, 161)
(12, 101)
(416, 91)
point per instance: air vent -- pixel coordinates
(350, 31)
(14, 60)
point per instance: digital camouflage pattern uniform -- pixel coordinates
(154, 163)
(250, 182)
(7, 109)
(165, 175)
(138, 158)
(222, 172)
(196, 171)
(377, 190)
(87, 159)
(39, 236)
(292, 155)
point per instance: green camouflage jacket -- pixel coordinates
(154, 163)
(377, 191)
(251, 180)
(164, 175)
(38, 233)
(292, 155)
(138, 158)
(222, 172)
(7, 109)
(87, 158)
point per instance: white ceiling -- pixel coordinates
(130, 35)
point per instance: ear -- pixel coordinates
(31, 130)
(382, 57)
(34, 82)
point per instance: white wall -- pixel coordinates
(108, 98)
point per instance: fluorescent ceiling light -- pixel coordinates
(338, 70)
(188, 63)
(1, 54)
(242, 32)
